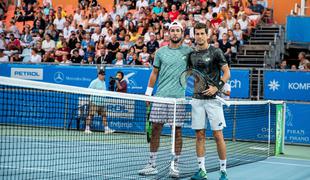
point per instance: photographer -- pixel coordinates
(118, 83)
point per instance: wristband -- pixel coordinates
(221, 84)
(149, 91)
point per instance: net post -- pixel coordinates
(283, 127)
(269, 115)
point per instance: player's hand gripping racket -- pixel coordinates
(194, 82)
(148, 125)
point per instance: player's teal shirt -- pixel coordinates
(171, 62)
(99, 85)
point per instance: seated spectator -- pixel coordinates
(307, 67)
(65, 60)
(284, 65)
(13, 43)
(294, 67)
(90, 51)
(47, 57)
(233, 41)
(100, 44)
(215, 21)
(302, 60)
(144, 57)
(26, 39)
(2, 40)
(152, 45)
(135, 60)
(256, 12)
(3, 58)
(238, 33)
(61, 52)
(18, 15)
(174, 13)
(225, 46)
(102, 57)
(166, 40)
(230, 21)
(73, 40)
(29, 13)
(75, 57)
(35, 57)
(48, 44)
(59, 22)
(126, 45)
(121, 8)
(119, 59)
(79, 48)
(141, 3)
(113, 48)
(87, 41)
(130, 54)
(222, 29)
(158, 9)
(13, 29)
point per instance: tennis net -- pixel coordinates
(42, 133)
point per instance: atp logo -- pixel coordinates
(274, 85)
(130, 80)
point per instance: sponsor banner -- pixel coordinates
(60, 74)
(27, 73)
(300, 34)
(287, 85)
(240, 83)
(297, 124)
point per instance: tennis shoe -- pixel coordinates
(200, 175)
(223, 175)
(87, 131)
(109, 131)
(149, 169)
(174, 172)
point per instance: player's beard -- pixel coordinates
(176, 41)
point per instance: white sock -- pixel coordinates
(201, 163)
(176, 160)
(87, 128)
(223, 165)
(153, 156)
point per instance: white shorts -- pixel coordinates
(210, 109)
(163, 113)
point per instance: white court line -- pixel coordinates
(290, 158)
(287, 164)
(65, 172)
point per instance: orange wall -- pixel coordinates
(282, 8)
(74, 3)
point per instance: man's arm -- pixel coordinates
(152, 80)
(226, 73)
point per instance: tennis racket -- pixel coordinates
(148, 125)
(194, 82)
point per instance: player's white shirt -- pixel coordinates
(226, 88)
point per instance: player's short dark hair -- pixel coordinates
(120, 72)
(201, 26)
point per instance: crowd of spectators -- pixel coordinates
(129, 34)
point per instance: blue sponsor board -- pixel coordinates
(136, 77)
(240, 83)
(297, 125)
(300, 34)
(60, 74)
(287, 85)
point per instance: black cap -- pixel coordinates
(101, 72)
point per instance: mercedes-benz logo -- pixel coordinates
(59, 77)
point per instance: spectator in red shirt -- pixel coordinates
(215, 21)
(174, 13)
(14, 43)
